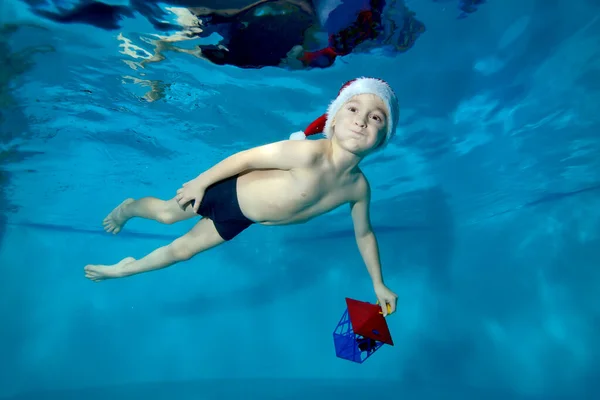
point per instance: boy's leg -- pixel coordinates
(201, 237)
(166, 212)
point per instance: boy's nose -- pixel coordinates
(360, 121)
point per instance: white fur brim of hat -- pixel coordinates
(366, 86)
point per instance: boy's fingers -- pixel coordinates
(394, 303)
(383, 305)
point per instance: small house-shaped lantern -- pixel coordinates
(362, 330)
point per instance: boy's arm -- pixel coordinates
(363, 232)
(284, 155)
(367, 244)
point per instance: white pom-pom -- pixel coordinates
(298, 136)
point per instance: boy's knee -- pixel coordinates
(182, 249)
(167, 217)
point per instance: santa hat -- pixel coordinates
(350, 89)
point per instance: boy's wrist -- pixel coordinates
(378, 282)
(121, 272)
(201, 181)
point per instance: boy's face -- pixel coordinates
(361, 124)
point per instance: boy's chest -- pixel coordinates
(312, 187)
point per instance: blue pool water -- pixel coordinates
(485, 204)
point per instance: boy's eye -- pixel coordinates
(377, 117)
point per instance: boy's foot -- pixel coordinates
(114, 222)
(99, 273)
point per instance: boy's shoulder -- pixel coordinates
(361, 185)
(291, 153)
(363, 182)
(313, 150)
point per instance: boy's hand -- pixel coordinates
(190, 191)
(385, 297)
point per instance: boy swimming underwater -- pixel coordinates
(286, 182)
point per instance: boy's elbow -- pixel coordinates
(244, 160)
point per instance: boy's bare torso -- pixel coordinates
(280, 197)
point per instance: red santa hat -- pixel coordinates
(350, 89)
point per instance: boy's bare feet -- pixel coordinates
(99, 273)
(114, 222)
